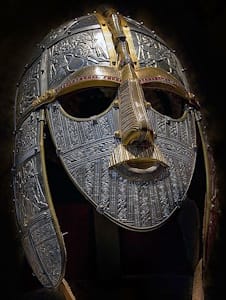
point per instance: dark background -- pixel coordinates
(196, 29)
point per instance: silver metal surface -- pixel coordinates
(85, 147)
(42, 244)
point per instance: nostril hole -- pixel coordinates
(142, 144)
(143, 139)
(139, 137)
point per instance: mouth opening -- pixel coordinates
(139, 165)
(153, 172)
(143, 167)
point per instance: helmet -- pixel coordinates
(105, 106)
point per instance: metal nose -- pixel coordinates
(135, 127)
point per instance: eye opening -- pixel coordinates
(165, 102)
(88, 102)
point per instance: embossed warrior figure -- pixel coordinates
(110, 147)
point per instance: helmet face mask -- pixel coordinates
(110, 98)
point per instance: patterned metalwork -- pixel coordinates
(41, 239)
(155, 54)
(28, 89)
(85, 148)
(86, 52)
(72, 47)
(78, 51)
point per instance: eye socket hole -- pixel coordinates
(166, 103)
(88, 102)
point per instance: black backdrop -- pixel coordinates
(196, 29)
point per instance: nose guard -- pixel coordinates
(137, 153)
(134, 124)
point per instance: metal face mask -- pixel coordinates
(132, 162)
(124, 125)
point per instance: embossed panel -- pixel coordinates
(43, 251)
(137, 205)
(27, 138)
(150, 52)
(74, 52)
(29, 89)
(43, 243)
(83, 23)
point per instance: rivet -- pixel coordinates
(116, 103)
(117, 134)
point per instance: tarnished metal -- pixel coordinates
(138, 200)
(133, 161)
(40, 233)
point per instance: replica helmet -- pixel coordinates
(104, 115)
